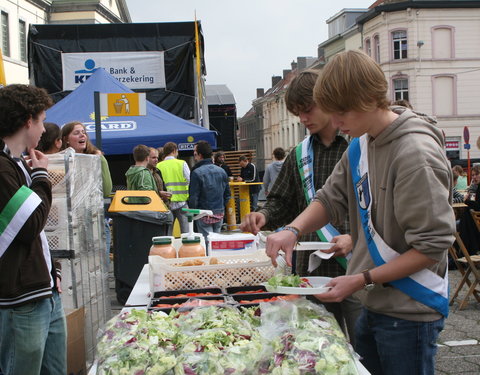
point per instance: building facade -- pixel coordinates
(274, 125)
(17, 16)
(247, 127)
(343, 35)
(430, 54)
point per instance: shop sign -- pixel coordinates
(136, 69)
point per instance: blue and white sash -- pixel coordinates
(304, 154)
(15, 214)
(423, 286)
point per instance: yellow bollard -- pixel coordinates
(244, 199)
(231, 214)
(176, 229)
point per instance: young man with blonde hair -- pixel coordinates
(401, 232)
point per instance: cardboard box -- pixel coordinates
(76, 364)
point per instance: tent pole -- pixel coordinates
(98, 120)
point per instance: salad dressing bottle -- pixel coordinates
(191, 247)
(163, 247)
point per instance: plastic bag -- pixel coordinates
(138, 342)
(306, 339)
(280, 338)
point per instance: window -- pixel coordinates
(376, 48)
(442, 40)
(22, 36)
(399, 39)
(368, 47)
(444, 98)
(4, 34)
(400, 89)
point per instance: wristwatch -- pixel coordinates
(369, 284)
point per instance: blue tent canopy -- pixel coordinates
(121, 134)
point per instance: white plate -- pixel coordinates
(314, 246)
(317, 282)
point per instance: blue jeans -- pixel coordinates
(254, 201)
(33, 338)
(394, 346)
(207, 228)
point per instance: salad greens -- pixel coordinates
(278, 338)
(289, 280)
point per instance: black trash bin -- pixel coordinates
(132, 238)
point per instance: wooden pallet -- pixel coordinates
(231, 159)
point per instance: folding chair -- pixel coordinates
(476, 218)
(467, 265)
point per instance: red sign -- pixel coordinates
(466, 135)
(455, 145)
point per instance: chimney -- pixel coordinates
(302, 63)
(260, 93)
(285, 73)
(275, 80)
(294, 65)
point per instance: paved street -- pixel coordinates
(459, 343)
(462, 328)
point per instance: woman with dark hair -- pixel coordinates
(74, 135)
(51, 141)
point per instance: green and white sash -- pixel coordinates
(304, 154)
(15, 214)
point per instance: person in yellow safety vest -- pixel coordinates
(176, 176)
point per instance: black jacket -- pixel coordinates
(24, 275)
(250, 174)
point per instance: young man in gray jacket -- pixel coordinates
(395, 182)
(272, 171)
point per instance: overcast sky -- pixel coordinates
(249, 41)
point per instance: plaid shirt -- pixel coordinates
(286, 200)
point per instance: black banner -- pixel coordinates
(176, 39)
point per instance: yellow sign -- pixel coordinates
(3, 81)
(123, 104)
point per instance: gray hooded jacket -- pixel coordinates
(271, 174)
(411, 180)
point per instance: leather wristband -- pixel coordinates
(369, 284)
(367, 277)
(292, 229)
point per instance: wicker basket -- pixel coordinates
(231, 270)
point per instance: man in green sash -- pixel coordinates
(293, 189)
(32, 320)
(395, 183)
